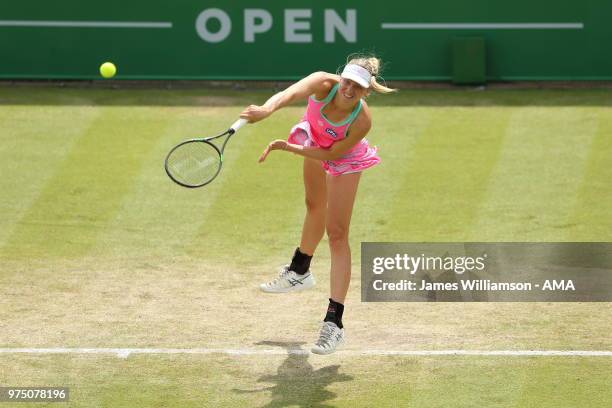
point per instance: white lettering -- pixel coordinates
(377, 267)
(224, 21)
(292, 25)
(558, 285)
(297, 25)
(251, 27)
(347, 28)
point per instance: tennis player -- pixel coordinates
(331, 138)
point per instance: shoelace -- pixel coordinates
(326, 336)
(283, 272)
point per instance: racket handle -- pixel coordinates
(238, 124)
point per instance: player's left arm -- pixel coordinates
(357, 131)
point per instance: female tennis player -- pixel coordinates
(331, 138)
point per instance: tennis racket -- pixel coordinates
(196, 162)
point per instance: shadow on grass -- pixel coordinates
(296, 383)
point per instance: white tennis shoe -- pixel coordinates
(330, 338)
(288, 281)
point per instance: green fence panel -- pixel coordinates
(469, 66)
(189, 39)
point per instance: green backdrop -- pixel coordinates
(71, 38)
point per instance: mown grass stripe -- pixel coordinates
(591, 220)
(534, 184)
(157, 215)
(442, 187)
(30, 154)
(88, 186)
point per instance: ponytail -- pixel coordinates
(373, 65)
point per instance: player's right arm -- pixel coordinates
(318, 83)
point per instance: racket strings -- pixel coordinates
(194, 163)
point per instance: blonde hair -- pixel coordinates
(373, 65)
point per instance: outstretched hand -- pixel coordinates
(255, 113)
(277, 144)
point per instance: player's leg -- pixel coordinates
(341, 193)
(316, 203)
(296, 276)
(341, 197)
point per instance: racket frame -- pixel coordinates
(229, 132)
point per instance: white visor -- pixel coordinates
(358, 74)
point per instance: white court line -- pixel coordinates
(95, 24)
(125, 352)
(488, 26)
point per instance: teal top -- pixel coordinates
(326, 102)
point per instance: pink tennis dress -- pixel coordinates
(316, 130)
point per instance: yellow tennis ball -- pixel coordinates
(108, 70)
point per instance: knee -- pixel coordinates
(337, 234)
(314, 205)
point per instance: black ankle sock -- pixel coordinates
(300, 262)
(334, 313)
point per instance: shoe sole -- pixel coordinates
(287, 290)
(326, 352)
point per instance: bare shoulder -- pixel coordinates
(325, 82)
